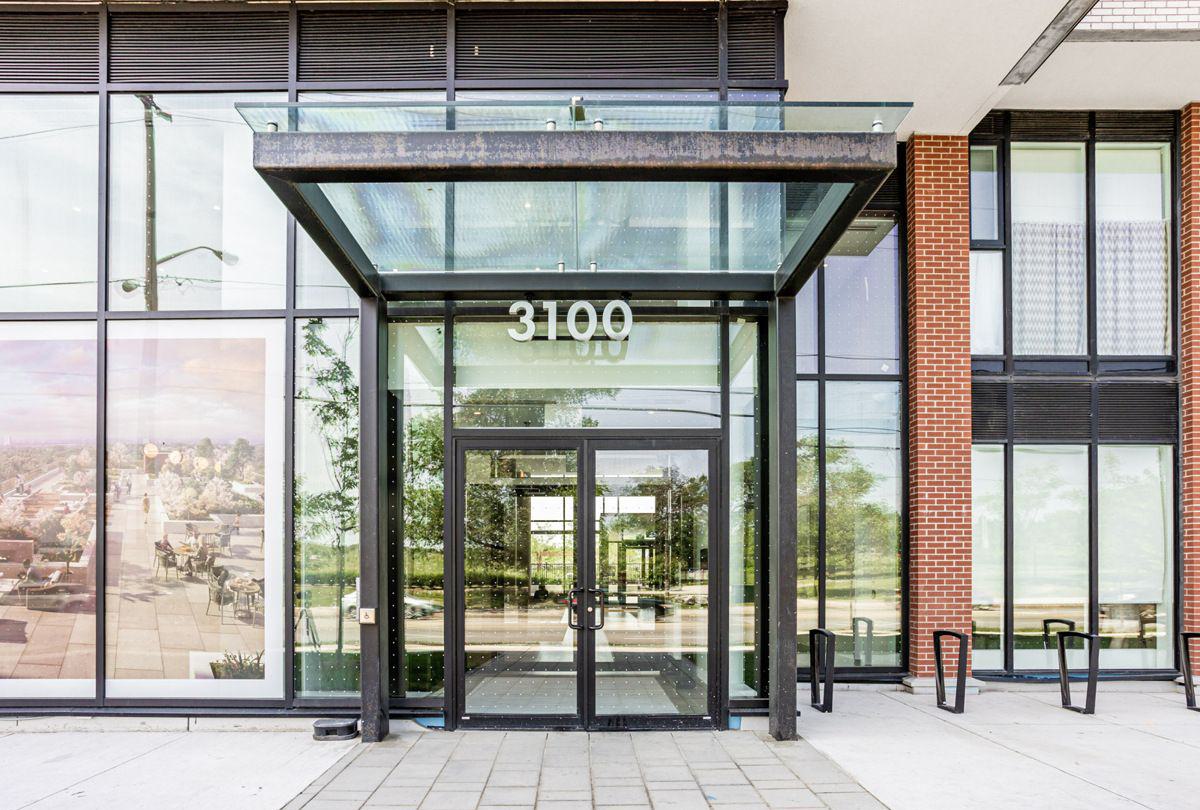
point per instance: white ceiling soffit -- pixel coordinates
(1085, 75)
(948, 57)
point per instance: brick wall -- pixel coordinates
(1189, 361)
(939, 393)
(1124, 15)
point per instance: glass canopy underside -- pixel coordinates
(505, 226)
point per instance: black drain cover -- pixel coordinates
(340, 728)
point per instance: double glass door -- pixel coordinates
(586, 611)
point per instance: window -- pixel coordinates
(49, 158)
(862, 524)
(985, 194)
(745, 524)
(987, 302)
(415, 358)
(194, 530)
(861, 278)
(668, 375)
(48, 510)
(1137, 550)
(987, 556)
(191, 224)
(1050, 549)
(849, 477)
(1133, 249)
(1049, 249)
(326, 507)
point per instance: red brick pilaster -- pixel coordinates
(1189, 364)
(939, 394)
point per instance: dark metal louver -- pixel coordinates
(678, 43)
(198, 46)
(1140, 411)
(992, 125)
(1052, 410)
(1034, 125)
(1120, 125)
(890, 196)
(50, 48)
(989, 411)
(754, 45)
(372, 46)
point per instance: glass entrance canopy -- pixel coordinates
(423, 199)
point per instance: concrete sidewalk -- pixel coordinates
(156, 763)
(1015, 749)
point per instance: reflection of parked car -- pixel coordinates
(413, 608)
(53, 593)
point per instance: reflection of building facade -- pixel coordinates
(572, 392)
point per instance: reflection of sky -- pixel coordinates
(184, 390)
(49, 391)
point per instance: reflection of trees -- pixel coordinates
(679, 530)
(332, 399)
(523, 407)
(861, 532)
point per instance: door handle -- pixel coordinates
(599, 598)
(573, 608)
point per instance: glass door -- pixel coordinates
(519, 561)
(652, 548)
(608, 628)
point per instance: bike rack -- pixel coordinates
(1093, 670)
(859, 658)
(1046, 629)
(960, 692)
(820, 657)
(1185, 663)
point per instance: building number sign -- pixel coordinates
(581, 321)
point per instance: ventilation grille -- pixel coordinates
(198, 47)
(49, 48)
(1144, 411)
(753, 45)
(372, 46)
(679, 43)
(992, 125)
(1035, 125)
(1135, 126)
(1052, 410)
(890, 196)
(989, 411)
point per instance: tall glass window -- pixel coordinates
(194, 532)
(1049, 249)
(191, 224)
(862, 523)
(848, 451)
(48, 510)
(325, 502)
(745, 524)
(987, 556)
(49, 159)
(808, 513)
(985, 193)
(415, 391)
(1050, 549)
(1133, 249)
(1137, 542)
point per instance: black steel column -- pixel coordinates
(373, 570)
(781, 540)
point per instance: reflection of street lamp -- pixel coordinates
(224, 256)
(149, 453)
(150, 110)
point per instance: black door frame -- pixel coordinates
(585, 442)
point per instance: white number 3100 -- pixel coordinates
(524, 311)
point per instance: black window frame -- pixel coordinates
(1090, 370)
